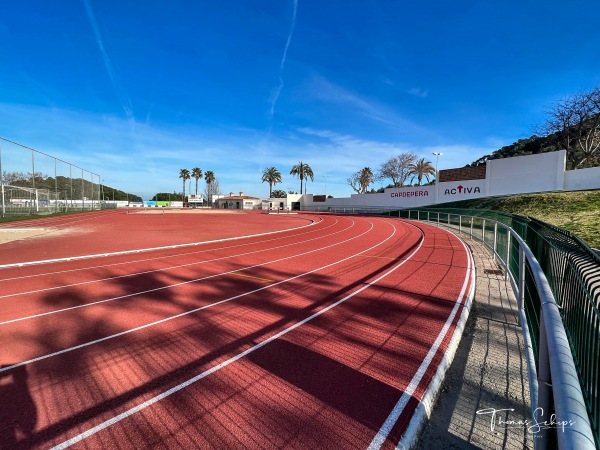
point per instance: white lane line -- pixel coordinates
(233, 359)
(164, 269)
(122, 333)
(56, 311)
(143, 250)
(159, 258)
(397, 410)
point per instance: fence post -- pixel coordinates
(521, 281)
(483, 232)
(495, 239)
(507, 262)
(545, 405)
(2, 183)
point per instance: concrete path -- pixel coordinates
(489, 371)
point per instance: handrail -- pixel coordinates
(557, 380)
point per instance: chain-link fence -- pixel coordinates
(33, 182)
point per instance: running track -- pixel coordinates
(322, 336)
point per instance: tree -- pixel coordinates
(272, 176)
(197, 174)
(278, 193)
(212, 185)
(575, 125)
(185, 175)
(360, 180)
(397, 168)
(303, 171)
(422, 169)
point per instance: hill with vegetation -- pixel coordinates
(572, 124)
(577, 212)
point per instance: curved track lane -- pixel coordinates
(323, 337)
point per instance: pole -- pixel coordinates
(2, 183)
(437, 189)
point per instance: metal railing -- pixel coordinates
(556, 280)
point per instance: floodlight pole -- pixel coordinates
(437, 178)
(2, 183)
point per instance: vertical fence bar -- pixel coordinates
(507, 262)
(82, 191)
(2, 183)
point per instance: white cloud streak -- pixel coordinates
(283, 59)
(123, 97)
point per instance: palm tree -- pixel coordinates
(303, 171)
(185, 175)
(209, 177)
(197, 174)
(366, 178)
(272, 176)
(278, 193)
(422, 169)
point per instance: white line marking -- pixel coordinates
(233, 359)
(391, 420)
(175, 255)
(164, 269)
(122, 333)
(56, 311)
(127, 252)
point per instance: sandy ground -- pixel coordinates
(17, 234)
(183, 211)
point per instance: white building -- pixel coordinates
(238, 202)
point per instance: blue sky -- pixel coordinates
(135, 91)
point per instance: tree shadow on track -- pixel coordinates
(18, 415)
(167, 355)
(355, 394)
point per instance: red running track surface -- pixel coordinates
(322, 336)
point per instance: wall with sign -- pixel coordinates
(544, 172)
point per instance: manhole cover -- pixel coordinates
(493, 271)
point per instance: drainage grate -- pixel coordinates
(493, 271)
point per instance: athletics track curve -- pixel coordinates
(321, 336)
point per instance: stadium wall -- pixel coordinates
(544, 172)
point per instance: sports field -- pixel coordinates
(239, 330)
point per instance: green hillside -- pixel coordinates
(577, 212)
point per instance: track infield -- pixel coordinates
(223, 331)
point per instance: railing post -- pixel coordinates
(483, 232)
(460, 223)
(545, 404)
(521, 281)
(495, 239)
(507, 261)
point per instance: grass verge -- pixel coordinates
(577, 212)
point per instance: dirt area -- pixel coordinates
(18, 234)
(184, 211)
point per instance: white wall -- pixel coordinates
(524, 174)
(519, 175)
(580, 179)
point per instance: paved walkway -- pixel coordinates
(489, 371)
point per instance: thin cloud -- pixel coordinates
(324, 90)
(283, 59)
(124, 98)
(418, 92)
